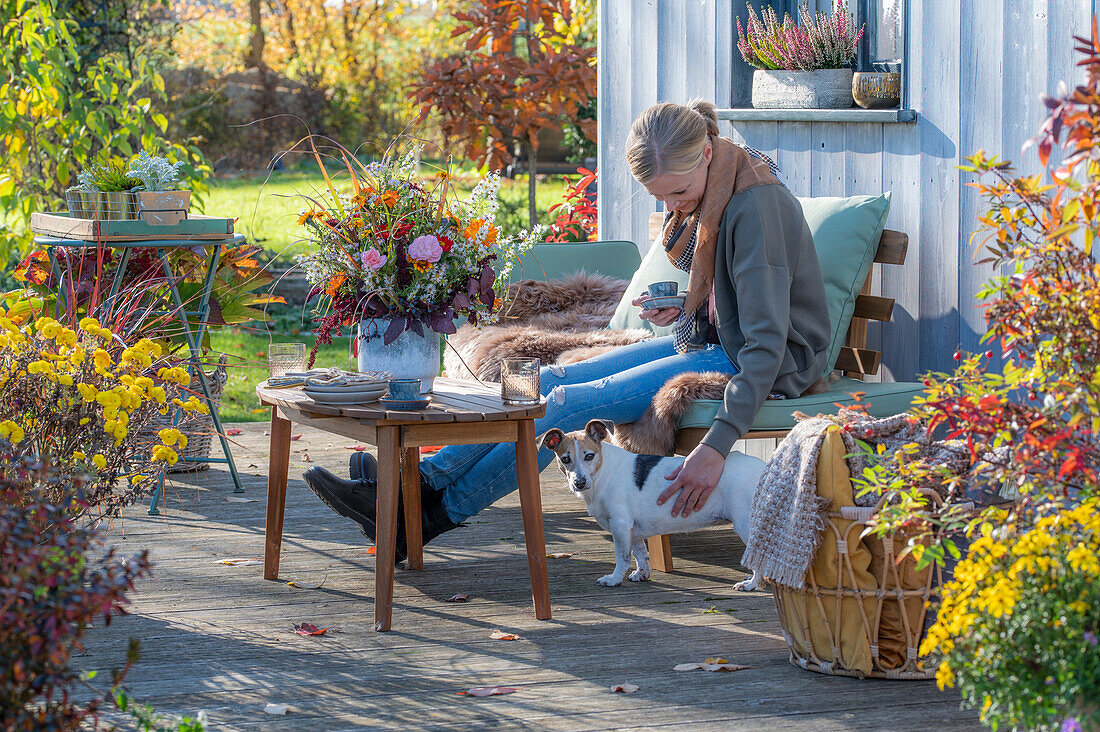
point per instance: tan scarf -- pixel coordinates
(731, 171)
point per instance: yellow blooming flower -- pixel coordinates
(78, 455)
(12, 431)
(102, 360)
(165, 454)
(99, 461)
(945, 677)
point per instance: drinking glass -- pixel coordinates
(285, 357)
(519, 381)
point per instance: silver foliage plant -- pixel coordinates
(156, 173)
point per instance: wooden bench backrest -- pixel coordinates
(854, 358)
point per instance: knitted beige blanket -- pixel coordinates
(786, 523)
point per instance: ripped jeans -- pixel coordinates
(618, 385)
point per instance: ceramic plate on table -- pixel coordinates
(406, 405)
(346, 397)
(658, 303)
(344, 388)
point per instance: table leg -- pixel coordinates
(530, 501)
(389, 468)
(410, 492)
(277, 466)
(660, 553)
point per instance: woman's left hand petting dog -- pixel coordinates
(621, 490)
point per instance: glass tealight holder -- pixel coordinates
(283, 358)
(519, 381)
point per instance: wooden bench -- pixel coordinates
(854, 360)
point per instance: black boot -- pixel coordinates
(363, 466)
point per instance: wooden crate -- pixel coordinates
(63, 226)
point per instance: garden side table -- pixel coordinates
(461, 413)
(192, 316)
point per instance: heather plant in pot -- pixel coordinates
(803, 64)
(403, 258)
(1018, 626)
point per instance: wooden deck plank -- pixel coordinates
(220, 637)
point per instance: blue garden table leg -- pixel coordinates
(194, 338)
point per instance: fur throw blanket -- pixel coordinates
(560, 322)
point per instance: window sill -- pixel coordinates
(819, 115)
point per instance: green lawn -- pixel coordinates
(268, 207)
(247, 351)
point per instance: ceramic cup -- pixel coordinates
(663, 289)
(404, 390)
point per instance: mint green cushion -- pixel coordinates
(546, 262)
(846, 233)
(883, 400)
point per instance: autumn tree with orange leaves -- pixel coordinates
(520, 73)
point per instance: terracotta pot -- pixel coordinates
(877, 89)
(819, 89)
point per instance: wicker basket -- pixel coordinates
(861, 612)
(198, 428)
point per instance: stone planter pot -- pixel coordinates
(820, 89)
(409, 357)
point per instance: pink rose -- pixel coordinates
(425, 249)
(373, 259)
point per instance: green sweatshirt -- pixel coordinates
(769, 296)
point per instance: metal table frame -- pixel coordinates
(192, 334)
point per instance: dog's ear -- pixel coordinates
(599, 429)
(551, 439)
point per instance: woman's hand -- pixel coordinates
(695, 479)
(662, 317)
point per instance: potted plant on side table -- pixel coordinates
(803, 65)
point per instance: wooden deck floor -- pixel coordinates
(220, 638)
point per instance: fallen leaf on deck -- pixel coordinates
(239, 499)
(266, 433)
(233, 431)
(304, 586)
(309, 629)
(372, 550)
(625, 688)
(498, 635)
(560, 555)
(253, 465)
(711, 664)
(241, 562)
(457, 598)
(295, 437)
(491, 690)
(277, 708)
(306, 458)
(357, 448)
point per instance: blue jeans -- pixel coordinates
(618, 385)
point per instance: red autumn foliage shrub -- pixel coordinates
(56, 581)
(577, 219)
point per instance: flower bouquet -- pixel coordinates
(406, 254)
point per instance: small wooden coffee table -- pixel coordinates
(461, 413)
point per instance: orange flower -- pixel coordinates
(471, 230)
(421, 266)
(334, 284)
(308, 216)
(389, 198)
(491, 237)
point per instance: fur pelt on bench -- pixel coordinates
(564, 321)
(561, 321)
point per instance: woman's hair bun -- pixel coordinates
(706, 110)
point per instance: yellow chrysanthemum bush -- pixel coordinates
(79, 400)
(1017, 623)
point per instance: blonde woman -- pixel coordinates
(755, 308)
